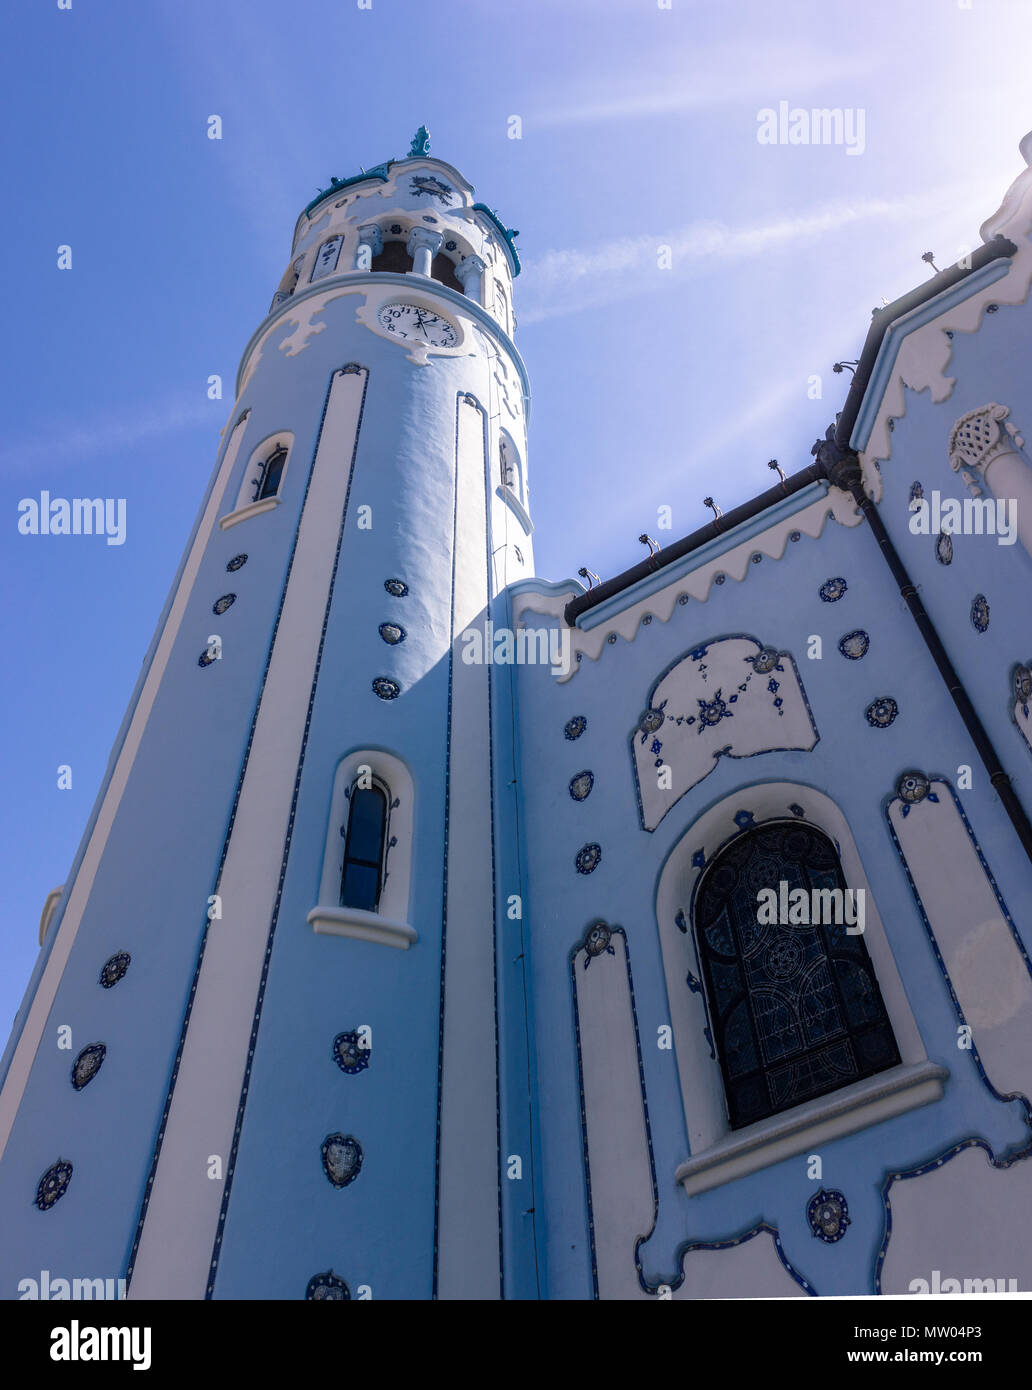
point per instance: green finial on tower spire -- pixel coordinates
(420, 146)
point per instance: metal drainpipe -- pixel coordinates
(842, 468)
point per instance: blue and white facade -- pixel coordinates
(528, 1057)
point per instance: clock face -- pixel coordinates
(417, 324)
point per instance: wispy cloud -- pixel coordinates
(65, 445)
(702, 77)
(565, 282)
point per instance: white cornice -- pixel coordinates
(661, 604)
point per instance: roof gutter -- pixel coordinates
(840, 464)
(727, 522)
(838, 435)
(883, 319)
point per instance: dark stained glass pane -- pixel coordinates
(273, 473)
(365, 825)
(795, 1008)
(360, 886)
(363, 849)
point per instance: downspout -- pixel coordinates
(841, 466)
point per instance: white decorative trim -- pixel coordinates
(976, 440)
(362, 926)
(614, 1115)
(252, 509)
(697, 583)
(307, 305)
(982, 959)
(516, 507)
(82, 885)
(469, 1158)
(804, 1128)
(692, 750)
(49, 907)
(925, 354)
(961, 1226)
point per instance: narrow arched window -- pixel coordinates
(793, 1001)
(506, 466)
(272, 473)
(365, 842)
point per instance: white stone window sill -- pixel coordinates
(515, 505)
(363, 926)
(803, 1128)
(251, 509)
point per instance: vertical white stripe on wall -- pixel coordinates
(79, 891)
(989, 976)
(182, 1216)
(622, 1201)
(468, 1250)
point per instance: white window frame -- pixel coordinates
(718, 1153)
(248, 503)
(388, 925)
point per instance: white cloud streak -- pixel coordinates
(565, 282)
(66, 445)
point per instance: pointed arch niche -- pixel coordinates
(719, 1154)
(387, 924)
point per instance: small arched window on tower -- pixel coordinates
(288, 284)
(261, 483)
(367, 865)
(510, 469)
(794, 1005)
(365, 845)
(506, 466)
(267, 485)
(501, 306)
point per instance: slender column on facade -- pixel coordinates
(470, 274)
(370, 244)
(979, 440)
(423, 245)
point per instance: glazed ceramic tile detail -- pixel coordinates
(395, 974)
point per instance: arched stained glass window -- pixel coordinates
(796, 1011)
(362, 875)
(272, 474)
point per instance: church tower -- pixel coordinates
(264, 1052)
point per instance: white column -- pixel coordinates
(980, 440)
(370, 244)
(470, 274)
(423, 245)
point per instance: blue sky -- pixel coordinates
(650, 387)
